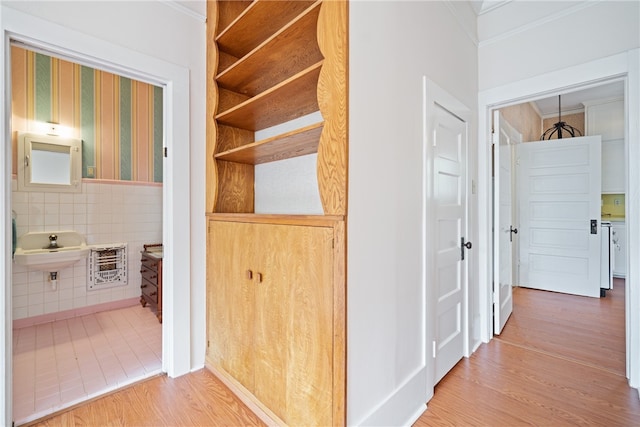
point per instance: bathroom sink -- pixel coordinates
(35, 250)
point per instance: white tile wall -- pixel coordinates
(103, 213)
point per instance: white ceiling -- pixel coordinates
(575, 100)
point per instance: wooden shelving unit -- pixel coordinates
(296, 143)
(268, 63)
(272, 62)
(256, 23)
(282, 55)
(285, 101)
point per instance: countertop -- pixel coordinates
(154, 254)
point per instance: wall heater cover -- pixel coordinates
(107, 266)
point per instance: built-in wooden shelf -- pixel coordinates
(256, 23)
(296, 143)
(290, 99)
(282, 55)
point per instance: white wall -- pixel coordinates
(105, 212)
(528, 38)
(392, 46)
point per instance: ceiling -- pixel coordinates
(575, 100)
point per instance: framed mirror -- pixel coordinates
(49, 163)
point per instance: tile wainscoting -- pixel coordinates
(105, 212)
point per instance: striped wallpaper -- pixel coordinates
(118, 119)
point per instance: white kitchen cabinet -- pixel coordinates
(620, 248)
(613, 167)
(606, 118)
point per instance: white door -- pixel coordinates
(449, 195)
(504, 227)
(559, 197)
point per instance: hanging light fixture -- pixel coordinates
(559, 127)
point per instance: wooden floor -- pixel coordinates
(559, 361)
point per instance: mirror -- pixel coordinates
(49, 163)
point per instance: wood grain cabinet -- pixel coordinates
(272, 321)
(276, 283)
(151, 272)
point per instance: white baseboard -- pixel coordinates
(403, 406)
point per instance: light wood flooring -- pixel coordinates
(559, 361)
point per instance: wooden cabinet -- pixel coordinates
(619, 230)
(275, 324)
(151, 272)
(606, 118)
(276, 283)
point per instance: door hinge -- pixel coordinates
(165, 151)
(208, 343)
(434, 349)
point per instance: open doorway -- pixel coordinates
(86, 333)
(591, 74)
(67, 43)
(597, 111)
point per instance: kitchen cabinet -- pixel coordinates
(620, 248)
(606, 118)
(271, 314)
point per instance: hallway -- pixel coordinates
(560, 360)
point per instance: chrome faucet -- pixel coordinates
(53, 242)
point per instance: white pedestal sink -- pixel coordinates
(33, 251)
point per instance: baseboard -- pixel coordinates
(69, 314)
(262, 412)
(403, 406)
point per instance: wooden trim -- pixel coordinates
(211, 172)
(339, 324)
(309, 220)
(333, 103)
(245, 396)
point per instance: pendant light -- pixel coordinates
(559, 127)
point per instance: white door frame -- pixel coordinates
(625, 66)
(91, 51)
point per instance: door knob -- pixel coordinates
(512, 231)
(463, 245)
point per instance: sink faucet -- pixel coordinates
(53, 242)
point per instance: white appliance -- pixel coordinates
(606, 257)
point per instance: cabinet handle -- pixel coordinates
(259, 277)
(249, 274)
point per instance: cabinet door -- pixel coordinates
(613, 166)
(606, 119)
(294, 323)
(620, 254)
(231, 299)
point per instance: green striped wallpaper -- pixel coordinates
(119, 120)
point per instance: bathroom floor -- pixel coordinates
(59, 364)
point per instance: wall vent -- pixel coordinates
(107, 266)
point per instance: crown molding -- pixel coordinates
(542, 21)
(461, 22)
(185, 10)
